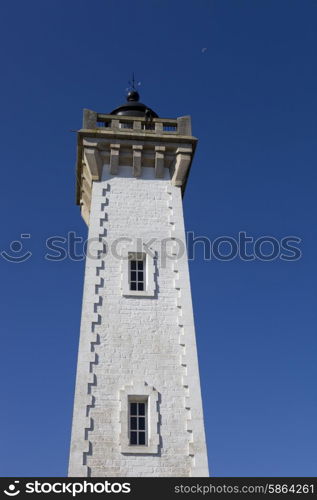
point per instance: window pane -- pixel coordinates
(140, 276)
(133, 275)
(141, 437)
(133, 423)
(133, 438)
(133, 409)
(142, 423)
(140, 286)
(140, 265)
(133, 265)
(141, 408)
(133, 286)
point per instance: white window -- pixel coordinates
(139, 419)
(138, 424)
(138, 272)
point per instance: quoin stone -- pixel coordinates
(137, 409)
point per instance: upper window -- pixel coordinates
(137, 272)
(138, 423)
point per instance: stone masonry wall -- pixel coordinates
(133, 340)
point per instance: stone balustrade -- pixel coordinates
(169, 126)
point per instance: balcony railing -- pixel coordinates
(178, 126)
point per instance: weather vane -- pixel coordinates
(133, 83)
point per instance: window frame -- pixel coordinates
(140, 391)
(127, 254)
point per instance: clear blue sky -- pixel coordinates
(252, 97)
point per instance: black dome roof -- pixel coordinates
(134, 108)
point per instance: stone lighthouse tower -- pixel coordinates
(137, 409)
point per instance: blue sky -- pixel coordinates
(252, 97)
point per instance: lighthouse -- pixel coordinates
(137, 407)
